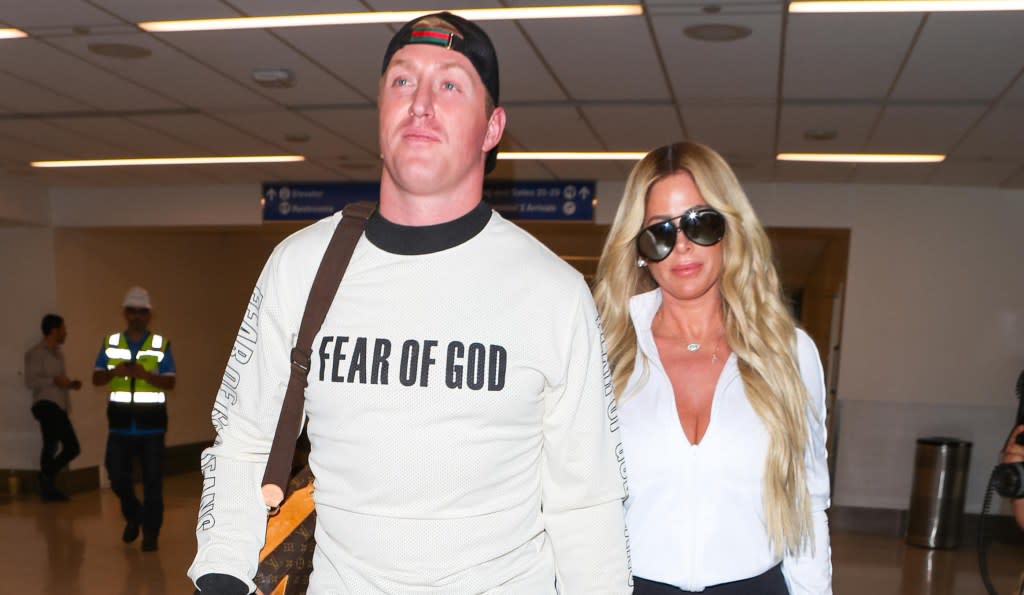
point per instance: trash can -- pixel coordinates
(938, 493)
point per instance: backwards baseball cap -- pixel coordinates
(137, 297)
(470, 41)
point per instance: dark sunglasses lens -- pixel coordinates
(705, 228)
(655, 242)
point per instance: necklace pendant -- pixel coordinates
(693, 347)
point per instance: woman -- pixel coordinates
(721, 398)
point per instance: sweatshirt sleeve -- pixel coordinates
(582, 470)
(810, 571)
(232, 516)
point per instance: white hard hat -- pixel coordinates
(137, 297)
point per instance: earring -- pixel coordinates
(640, 262)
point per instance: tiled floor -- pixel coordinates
(75, 548)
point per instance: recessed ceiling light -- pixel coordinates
(170, 161)
(572, 155)
(12, 33)
(362, 18)
(716, 32)
(862, 157)
(275, 78)
(820, 134)
(122, 51)
(711, 9)
(803, 6)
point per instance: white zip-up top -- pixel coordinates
(463, 434)
(695, 512)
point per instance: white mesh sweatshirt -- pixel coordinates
(463, 429)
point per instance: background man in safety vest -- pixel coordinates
(138, 369)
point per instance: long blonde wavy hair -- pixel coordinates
(758, 326)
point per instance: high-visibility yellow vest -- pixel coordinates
(134, 398)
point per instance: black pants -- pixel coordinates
(769, 583)
(121, 452)
(57, 431)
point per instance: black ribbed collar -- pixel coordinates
(412, 240)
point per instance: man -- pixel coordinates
(138, 368)
(45, 375)
(462, 432)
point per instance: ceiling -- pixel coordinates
(923, 83)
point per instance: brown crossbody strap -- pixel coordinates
(321, 296)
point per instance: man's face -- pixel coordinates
(61, 333)
(434, 129)
(137, 318)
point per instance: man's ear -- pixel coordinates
(495, 129)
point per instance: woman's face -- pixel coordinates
(690, 271)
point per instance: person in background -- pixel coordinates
(46, 377)
(461, 429)
(721, 398)
(138, 369)
(1014, 453)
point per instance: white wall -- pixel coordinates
(228, 204)
(932, 330)
(23, 202)
(29, 292)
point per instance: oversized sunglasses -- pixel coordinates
(702, 225)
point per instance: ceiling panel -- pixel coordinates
(964, 56)
(601, 59)
(551, 129)
(195, 90)
(77, 78)
(1015, 180)
(920, 129)
(851, 124)
(791, 171)
(51, 14)
(974, 172)
(753, 170)
(1015, 95)
(999, 134)
(274, 125)
(25, 97)
(733, 129)
(62, 141)
(635, 128)
(130, 138)
(210, 135)
(353, 54)
(238, 53)
(276, 7)
(137, 11)
(169, 72)
(523, 74)
(889, 173)
(357, 124)
(825, 57)
(747, 68)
